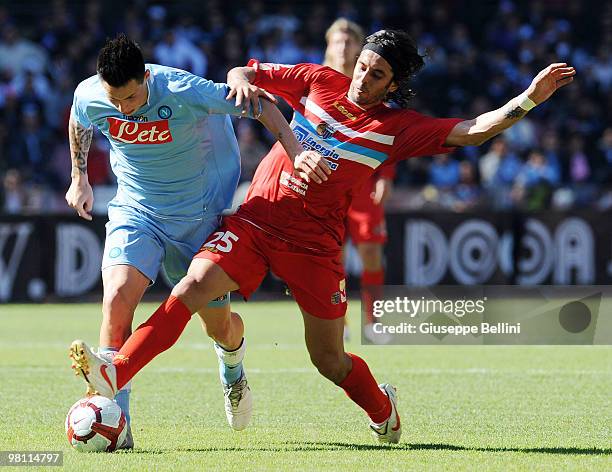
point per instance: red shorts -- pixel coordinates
(365, 221)
(246, 254)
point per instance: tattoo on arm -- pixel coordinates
(80, 141)
(515, 114)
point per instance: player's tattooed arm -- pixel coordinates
(516, 113)
(80, 141)
(80, 194)
(484, 127)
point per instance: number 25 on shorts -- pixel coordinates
(221, 241)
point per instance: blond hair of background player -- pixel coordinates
(344, 40)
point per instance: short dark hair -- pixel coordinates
(119, 61)
(406, 58)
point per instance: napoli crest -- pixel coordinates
(114, 252)
(164, 112)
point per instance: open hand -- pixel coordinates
(247, 96)
(549, 80)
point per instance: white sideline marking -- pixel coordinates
(310, 370)
(272, 346)
(177, 347)
(199, 346)
(180, 345)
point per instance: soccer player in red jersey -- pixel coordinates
(294, 226)
(365, 218)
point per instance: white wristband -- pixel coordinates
(525, 102)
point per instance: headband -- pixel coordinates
(387, 53)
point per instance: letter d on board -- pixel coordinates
(78, 256)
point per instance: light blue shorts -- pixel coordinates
(148, 243)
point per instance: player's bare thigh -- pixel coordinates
(204, 282)
(124, 286)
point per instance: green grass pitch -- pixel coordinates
(463, 408)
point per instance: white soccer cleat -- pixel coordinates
(238, 403)
(391, 430)
(100, 375)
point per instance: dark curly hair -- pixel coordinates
(402, 52)
(119, 61)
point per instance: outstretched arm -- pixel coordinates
(80, 193)
(484, 127)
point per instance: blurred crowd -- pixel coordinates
(478, 55)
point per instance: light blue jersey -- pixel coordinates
(177, 165)
(175, 157)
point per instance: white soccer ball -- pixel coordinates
(96, 423)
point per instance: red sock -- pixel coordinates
(376, 277)
(372, 280)
(361, 387)
(151, 338)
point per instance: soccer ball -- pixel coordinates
(96, 423)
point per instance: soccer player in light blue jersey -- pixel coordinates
(175, 156)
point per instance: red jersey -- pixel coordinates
(355, 142)
(364, 196)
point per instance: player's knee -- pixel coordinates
(330, 365)
(185, 287)
(192, 291)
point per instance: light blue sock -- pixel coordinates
(123, 396)
(230, 363)
(123, 400)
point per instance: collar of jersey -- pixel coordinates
(149, 82)
(362, 110)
